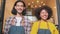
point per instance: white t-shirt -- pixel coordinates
(18, 21)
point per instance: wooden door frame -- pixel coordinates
(2, 13)
(58, 12)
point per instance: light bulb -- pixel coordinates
(37, 1)
(28, 3)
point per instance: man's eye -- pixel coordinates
(22, 6)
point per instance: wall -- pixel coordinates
(52, 4)
(0, 4)
(8, 7)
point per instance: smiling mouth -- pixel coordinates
(45, 16)
(19, 9)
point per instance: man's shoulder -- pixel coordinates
(10, 17)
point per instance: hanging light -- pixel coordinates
(37, 1)
(35, 6)
(44, 4)
(32, 2)
(39, 5)
(54, 6)
(41, 2)
(28, 3)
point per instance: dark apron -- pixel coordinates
(16, 30)
(43, 31)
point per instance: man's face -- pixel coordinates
(19, 7)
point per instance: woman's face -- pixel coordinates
(19, 7)
(44, 14)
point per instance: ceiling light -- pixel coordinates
(37, 1)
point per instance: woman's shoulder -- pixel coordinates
(51, 23)
(36, 22)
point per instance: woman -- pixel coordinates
(17, 24)
(43, 26)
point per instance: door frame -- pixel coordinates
(58, 12)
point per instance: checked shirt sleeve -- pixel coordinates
(7, 25)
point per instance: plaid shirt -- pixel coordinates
(27, 26)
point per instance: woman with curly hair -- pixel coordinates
(43, 26)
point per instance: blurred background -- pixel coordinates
(7, 5)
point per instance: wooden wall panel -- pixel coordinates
(0, 4)
(53, 5)
(8, 7)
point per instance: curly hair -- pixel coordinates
(38, 11)
(14, 11)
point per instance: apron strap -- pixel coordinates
(39, 26)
